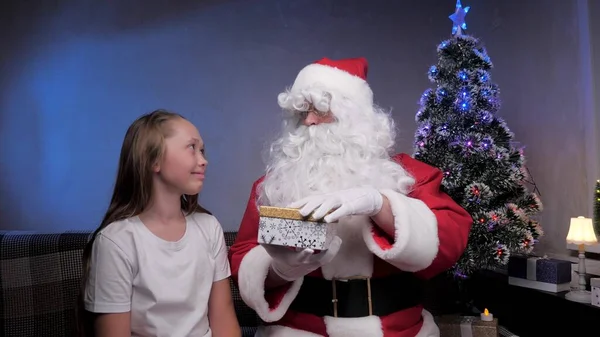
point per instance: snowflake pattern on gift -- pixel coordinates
(266, 236)
(306, 242)
(262, 224)
(289, 229)
(317, 230)
(294, 233)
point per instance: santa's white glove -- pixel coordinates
(355, 201)
(290, 264)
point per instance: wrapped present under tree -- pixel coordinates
(539, 273)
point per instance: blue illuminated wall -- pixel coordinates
(74, 76)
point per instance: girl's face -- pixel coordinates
(182, 167)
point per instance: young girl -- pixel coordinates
(157, 265)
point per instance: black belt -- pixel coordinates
(350, 298)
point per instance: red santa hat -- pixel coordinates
(345, 77)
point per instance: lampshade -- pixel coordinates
(581, 231)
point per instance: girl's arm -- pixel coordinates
(113, 325)
(221, 313)
(108, 289)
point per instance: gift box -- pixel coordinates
(595, 283)
(539, 273)
(466, 326)
(287, 227)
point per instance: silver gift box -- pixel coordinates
(595, 283)
(287, 227)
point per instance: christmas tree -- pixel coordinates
(460, 132)
(597, 208)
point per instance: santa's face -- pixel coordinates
(314, 117)
(339, 146)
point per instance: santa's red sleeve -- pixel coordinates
(250, 265)
(431, 229)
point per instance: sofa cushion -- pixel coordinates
(40, 276)
(39, 281)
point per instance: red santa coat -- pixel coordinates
(431, 235)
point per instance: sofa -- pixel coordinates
(40, 277)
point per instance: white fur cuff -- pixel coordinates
(251, 282)
(416, 239)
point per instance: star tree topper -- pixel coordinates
(458, 18)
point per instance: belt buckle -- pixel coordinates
(334, 300)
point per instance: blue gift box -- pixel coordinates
(540, 269)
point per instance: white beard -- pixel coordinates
(331, 157)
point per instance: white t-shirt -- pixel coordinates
(166, 285)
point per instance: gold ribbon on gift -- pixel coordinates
(286, 213)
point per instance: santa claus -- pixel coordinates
(395, 228)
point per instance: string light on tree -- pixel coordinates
(460, 132)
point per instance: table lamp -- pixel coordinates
(581, 233)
